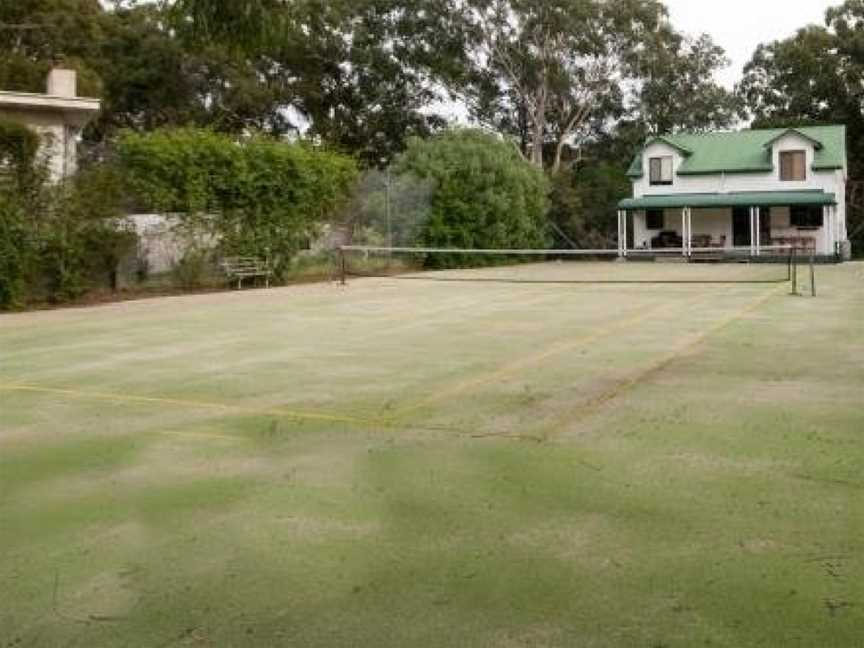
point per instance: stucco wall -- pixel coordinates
(59, 141)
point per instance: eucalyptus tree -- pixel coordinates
(546, 71)
(36, 34)
(816, 77)
(675, 85)
(352, 67)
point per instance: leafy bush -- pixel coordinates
(193, 269)
(20, 177)
(15, 253)
(56, 240)
(259, 197)
(585, 201)
(486, 194)
(82, 240)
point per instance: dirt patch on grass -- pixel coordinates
(759, 546)
(534, 636)
(325, 528)
(107, 597)
(575, 540)
(706, 463)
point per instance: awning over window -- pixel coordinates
(748, 199)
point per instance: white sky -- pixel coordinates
(738, 26)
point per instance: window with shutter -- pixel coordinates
(793, 166)
(660, 170)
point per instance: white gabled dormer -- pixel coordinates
(793, 155)
(661, 160)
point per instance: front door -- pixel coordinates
(741, 227)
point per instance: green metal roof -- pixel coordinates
(745, 151)
(748, 199)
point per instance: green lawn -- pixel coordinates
(412, 463)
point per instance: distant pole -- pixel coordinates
(387, 186)
(794, 270)
(343, 267)
(813, 273)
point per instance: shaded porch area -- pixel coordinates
(750, 223)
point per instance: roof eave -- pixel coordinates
(772, 198)
(28, 101)
(761, 169)
(668, 142)
(816, 143)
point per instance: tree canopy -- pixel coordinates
(816, 77)
(485, 194)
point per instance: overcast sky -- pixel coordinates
(740, 25)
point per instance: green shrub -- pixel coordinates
(56, 240)
(259, 197)
(585, 201)
(82, 239)
(486, 195)
(20, 180)
(194, 270)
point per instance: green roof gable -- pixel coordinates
(748, 151)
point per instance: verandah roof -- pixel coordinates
(744, 199)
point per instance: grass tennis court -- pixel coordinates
(416, 463)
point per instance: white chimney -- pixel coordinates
(62, 83)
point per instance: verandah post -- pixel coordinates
(758, 226)
(684, 232)
(624, 232)
(689, 232)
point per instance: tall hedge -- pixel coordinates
(486, 195)
(258, 197)
(19, 176)
(57, 239)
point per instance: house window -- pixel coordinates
(805, 217)
(654, 219)
(660, 170)
(793, 166)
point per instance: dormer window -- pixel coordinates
(793, 166)
(660, 170)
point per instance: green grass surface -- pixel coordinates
(412, 463)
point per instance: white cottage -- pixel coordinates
(748, 189)
(58, 116)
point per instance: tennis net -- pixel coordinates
(696, 265)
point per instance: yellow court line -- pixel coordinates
(556, 349)
(224, 407)
(625, 385)
(201, 435)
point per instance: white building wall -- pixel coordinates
(58, 142)
(716, 223)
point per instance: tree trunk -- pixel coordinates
(539, 123)
(559, 154)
